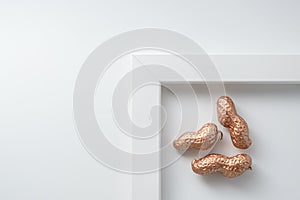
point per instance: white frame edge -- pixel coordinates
(268, 69)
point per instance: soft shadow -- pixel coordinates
(248, 179)
(191, 154)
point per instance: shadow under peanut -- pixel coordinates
(248, 181)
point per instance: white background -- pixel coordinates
(44, 43)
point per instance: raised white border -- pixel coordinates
(269, 69)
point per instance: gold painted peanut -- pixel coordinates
(203, 139)
(228, 166)
(229, 118)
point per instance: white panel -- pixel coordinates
(272, 112)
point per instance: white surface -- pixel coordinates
(272, 113)
(43, 45)
(230, 26)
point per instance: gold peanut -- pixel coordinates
(228, 166)
(203, 139)
(229, 118)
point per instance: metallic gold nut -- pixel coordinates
(203, 139)
(228, 166)
(229, 118)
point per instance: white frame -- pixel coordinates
(270, 69)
